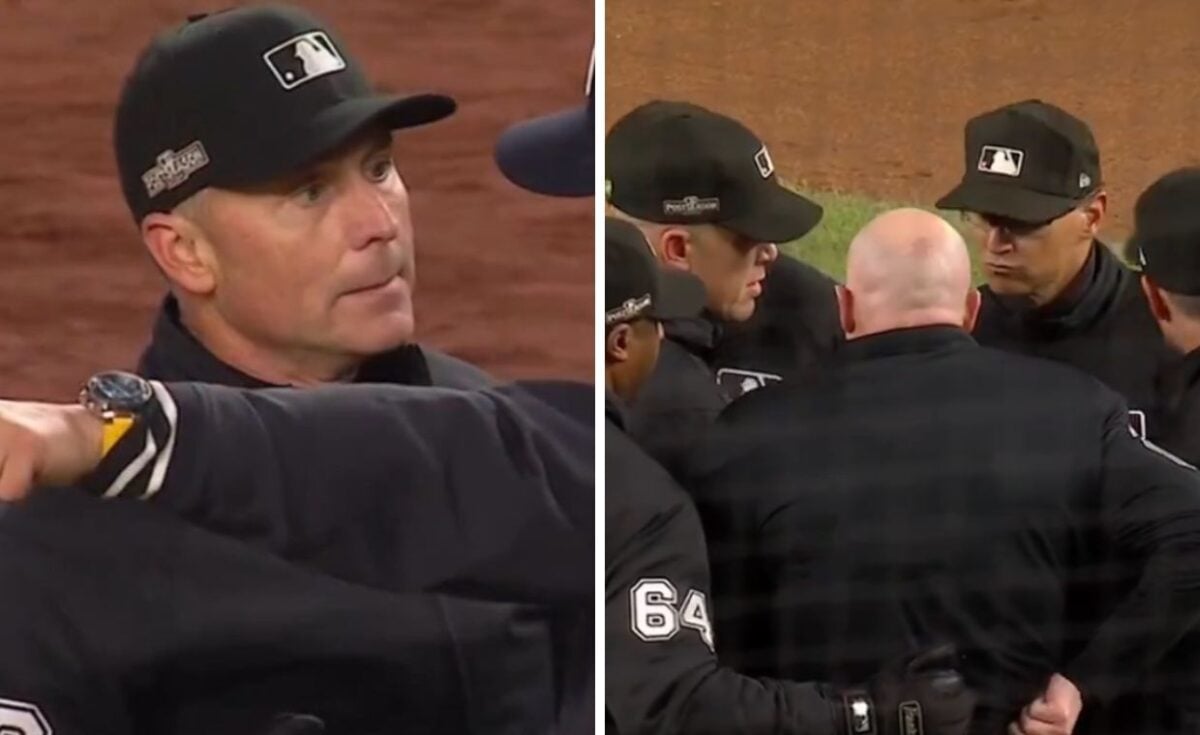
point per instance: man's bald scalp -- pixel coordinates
(908, 268)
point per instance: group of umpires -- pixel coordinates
(796, 497)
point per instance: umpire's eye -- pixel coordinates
(311, 193)
(380, 169)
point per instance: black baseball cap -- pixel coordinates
(1166, 233)
(554, 154)
(637, 287)
(1029, 161)
(242, 97)
(679, 163)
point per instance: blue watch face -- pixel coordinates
(120, 391)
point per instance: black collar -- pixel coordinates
(906, 341)
(615, 410)
(698, 335)
(1090, 295)
(174, 353)
(1077, 290)
(1190, 368)
(1181, 376)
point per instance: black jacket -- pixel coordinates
(123, 619)
(682, 398)
(549, 653)
(795, 327)
(661, 674)
(543, 652)
(1102, 326)
(118, 620)
(930, 489)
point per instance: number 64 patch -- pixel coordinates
(655, 615)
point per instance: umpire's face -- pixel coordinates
(1036, 260)
(318, 268)
(731, 266)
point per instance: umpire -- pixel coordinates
(931, 489)
(1033, 191)
(662, 673)
(702, 188)
(1167, 242)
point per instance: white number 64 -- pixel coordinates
(654, 617)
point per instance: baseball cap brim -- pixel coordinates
(553, 154)
(776, 214)
(1005, 200)
(680, 296)
(333, 127)
(1171, 260)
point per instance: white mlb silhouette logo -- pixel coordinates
(996, 159)
(303, 59)
(763, 161)
(738, 382)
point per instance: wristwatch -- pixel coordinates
(117, 398)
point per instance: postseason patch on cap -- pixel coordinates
(172, 168)
(304, 58)
(997, 159)
(691, 206)
(629, 309)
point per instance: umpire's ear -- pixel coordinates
(971, 309)
(616, 343)
(178, 245)
(845, 300)
(1159, 306)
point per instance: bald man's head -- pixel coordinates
(907, 268)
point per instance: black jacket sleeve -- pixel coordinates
(1150, 510)
(48, 682)
(661, 671)
(488, 494)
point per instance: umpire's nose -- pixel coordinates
(997, 240)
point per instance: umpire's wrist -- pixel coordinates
(136, 465)
(88, 430)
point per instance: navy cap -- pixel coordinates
(242, 97)
(554, 154)
(1166, 234)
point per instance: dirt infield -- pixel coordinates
(871, 95)
(505, 276)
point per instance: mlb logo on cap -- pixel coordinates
(303, 59)
(766, 166)
(996, 159)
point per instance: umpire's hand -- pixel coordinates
(1053, 713)
(46, 444)
(916, 695)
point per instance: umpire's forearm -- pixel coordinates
(429, 489)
